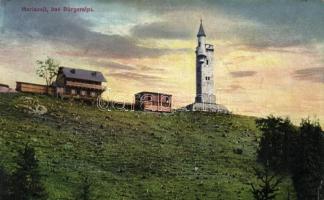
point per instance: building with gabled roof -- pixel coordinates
(81, 74)
(79, 83)
(70, 83)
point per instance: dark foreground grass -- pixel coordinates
(133, 155)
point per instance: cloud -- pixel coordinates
(135, 76)
(278, 23)
(112, 65)
(117, 66)
(71, 29)
(166, 30)
(158, 6)
(315, 74)
(240, 74)
(255, 23)
(232, 88)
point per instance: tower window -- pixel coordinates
(207, 78)
(199, 44)
(207, 62)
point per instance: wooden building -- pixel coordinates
(152, 101)
(79, 83)
(34, 88)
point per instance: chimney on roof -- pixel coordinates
(72, 71)
(94, 73)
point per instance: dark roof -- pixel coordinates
(154, 93)
(82, 74)
(201, 31)
(4, 85)
(19, 82)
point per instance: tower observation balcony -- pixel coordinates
(209, 47)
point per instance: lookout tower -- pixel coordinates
(205, 91)
(204, 69)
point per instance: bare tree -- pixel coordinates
(47, 70)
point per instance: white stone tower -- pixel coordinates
(205, 92)
(204, 69)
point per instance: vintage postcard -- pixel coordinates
(161, 99)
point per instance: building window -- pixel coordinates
(93, 94)
(73, 91)
(149, 98)
(83, 93)
(207, 78)
(207, 62)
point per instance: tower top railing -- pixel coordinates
(209, 46)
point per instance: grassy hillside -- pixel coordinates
(132, 155)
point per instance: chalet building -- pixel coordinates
(70, 83)
(79, 83)
(152, 101)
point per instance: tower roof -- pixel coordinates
(201, 31)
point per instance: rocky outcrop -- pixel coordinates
(31, 105)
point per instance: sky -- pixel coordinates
(269, 53)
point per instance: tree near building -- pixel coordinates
(47, 70)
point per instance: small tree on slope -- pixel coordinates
(268, 185)
(26, 180)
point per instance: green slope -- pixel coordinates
(132, 155)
